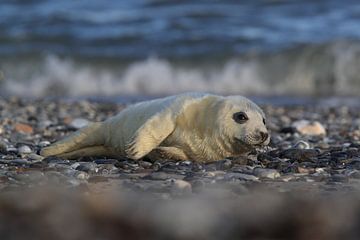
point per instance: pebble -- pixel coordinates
(145, 164)
(24, 149)
(78, 123)
(23, 128)
(301, 145)
(3, 147)
(180, 187)
(266, 173)
(306, 127)
(87, 167)
(44, 144)
(33, 156)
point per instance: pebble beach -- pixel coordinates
(305, 183)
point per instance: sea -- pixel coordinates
(112, 48)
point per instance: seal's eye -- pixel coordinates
(264, 121)
(240, 117)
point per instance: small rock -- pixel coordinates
(78, 123)
(306, 127)
(212, 174)
(16, 162)
(24, 149)
(145, 164)
(305, 170)
(266, 173)
(3, 147)
(11, 149)
(23, 128)
(33, 156)
(106, 169)
(76, 174)
(180, 187)
(44, 144)
(88, 167)
(301, 145)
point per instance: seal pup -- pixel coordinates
(191, 126)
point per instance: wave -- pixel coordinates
(325, 69)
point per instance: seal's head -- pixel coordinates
(245, 122)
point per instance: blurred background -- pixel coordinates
(156, 47)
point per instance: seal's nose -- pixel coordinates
(264, 136)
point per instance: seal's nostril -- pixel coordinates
(264, 135)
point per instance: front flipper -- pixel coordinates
(150, 135)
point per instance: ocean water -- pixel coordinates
(156, 47)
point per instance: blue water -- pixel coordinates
(111, 47)
(142, 28)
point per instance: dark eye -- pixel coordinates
(264, 121)
(240, 117)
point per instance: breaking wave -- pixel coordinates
(327, 69)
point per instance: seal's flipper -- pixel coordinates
(91, 135)
(95, 151)
(150, 135)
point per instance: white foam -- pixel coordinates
(152, 77)
(334, 71)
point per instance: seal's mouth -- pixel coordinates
(255, 144)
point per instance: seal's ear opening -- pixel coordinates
(240, 117)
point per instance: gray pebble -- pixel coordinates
(181, 187)
(78, 123)
(33, 156)
(88, 167)
(301, 145)
(44, 144)
(24, 149)
(266, 173)
(145, 164)
(3, 147)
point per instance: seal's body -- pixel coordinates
(191, 126)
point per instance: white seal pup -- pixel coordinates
(191, 126)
